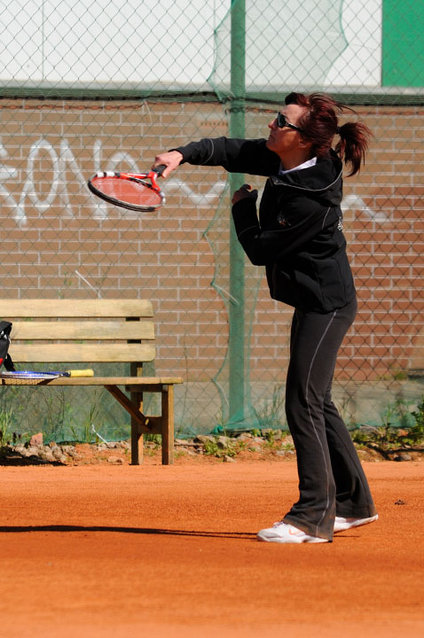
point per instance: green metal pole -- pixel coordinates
(237, 364)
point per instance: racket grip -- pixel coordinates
(81, 373)
(159, 169)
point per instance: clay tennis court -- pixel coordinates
(112, 551)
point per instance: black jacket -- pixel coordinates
(298, 236)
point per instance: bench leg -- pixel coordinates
(137, 445)
(168, 425)
(137, 440)
(163, 424)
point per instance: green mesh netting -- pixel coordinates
(292, 43)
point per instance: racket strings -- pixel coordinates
(131, 191)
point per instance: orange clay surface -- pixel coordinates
(120, 551)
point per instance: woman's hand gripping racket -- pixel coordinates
(134, 191)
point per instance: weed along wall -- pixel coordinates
(58, 241)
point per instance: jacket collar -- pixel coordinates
(322, 177)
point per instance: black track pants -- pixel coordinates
(331, 478)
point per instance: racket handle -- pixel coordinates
(159, 169)
(81, 373)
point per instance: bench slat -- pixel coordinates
(84, 353)
(97, 330)
(147, 384)
(76, 308)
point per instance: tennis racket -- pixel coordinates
(134, 191)
(33, 374)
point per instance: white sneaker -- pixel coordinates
(285, 533)
(341, 524)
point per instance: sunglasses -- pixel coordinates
(282, 122)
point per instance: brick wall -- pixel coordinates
(58, 241)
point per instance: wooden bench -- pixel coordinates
(96, 331)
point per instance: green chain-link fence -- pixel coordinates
(88, 86)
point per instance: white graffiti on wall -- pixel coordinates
(354, 202)
(63, 162)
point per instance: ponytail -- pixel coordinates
(353, 144)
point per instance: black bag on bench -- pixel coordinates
(5, 358)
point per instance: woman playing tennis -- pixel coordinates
(298, 237)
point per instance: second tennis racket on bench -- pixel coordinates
(134, 191)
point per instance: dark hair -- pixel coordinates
(320, 124)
